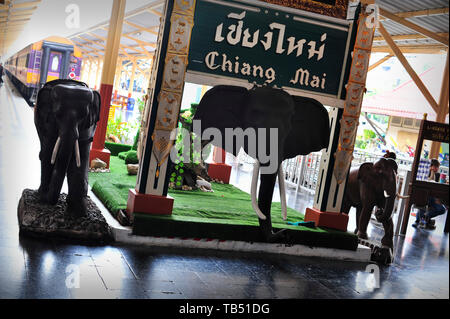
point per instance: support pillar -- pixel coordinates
(132, 78)
(336, 159)
(161, 115)
(219, 170)
(109, 67)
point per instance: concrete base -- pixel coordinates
(337, 221)
(221, 172)
(148, 204)
(362, 254)
(124, 235)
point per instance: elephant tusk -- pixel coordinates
(282, 187)
(386, 194)
(55, 150)
(77, 153)
(253, 191)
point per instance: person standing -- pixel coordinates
(424, 219)
(1, 73)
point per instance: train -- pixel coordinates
(40, 62)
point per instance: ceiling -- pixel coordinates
(431, 15)
(139, 34)
(14, 15)
(416, 26)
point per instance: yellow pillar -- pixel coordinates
(107, 82)
(89, 81)
(97, 74)
(132, 78)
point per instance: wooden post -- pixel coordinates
(107, 82)
(443, 109)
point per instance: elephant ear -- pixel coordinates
(222, 107)
(43, 109)
(365, 171)
(310, 128)
(94, 115)
(393, 164)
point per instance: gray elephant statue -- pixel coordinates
(370, 185)
(274, 126)
(66, 116)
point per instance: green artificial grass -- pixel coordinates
(225, 214)
(116, 148)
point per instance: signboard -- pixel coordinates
(332, 8)
(270, 45)
(434, 131)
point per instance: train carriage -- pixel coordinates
(50, 59)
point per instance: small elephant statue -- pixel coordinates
(66, 116)
(282, 126)
(370, 185)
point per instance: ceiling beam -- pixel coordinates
(415, 36)
(413, 26)
(421, 13)
(140, 28)
(381, 61)
(420, 49)
(25, 4)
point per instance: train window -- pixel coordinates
(55, 63)
(27, 60)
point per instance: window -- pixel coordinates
(55, 63)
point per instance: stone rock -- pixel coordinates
(203, 185)
(44, 220)
(98, 164)
(133, 169)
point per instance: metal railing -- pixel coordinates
(302, 172)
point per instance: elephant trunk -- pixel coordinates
(390, 194)
(63, 151)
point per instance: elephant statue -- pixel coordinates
(66, 116)
(370, 185)
(280, 124)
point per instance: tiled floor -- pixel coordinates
(31, 268)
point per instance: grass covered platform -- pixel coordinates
(225, 214)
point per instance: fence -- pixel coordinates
(302, 172)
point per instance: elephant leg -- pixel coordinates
(358, 217)
(77, 180)
(388, 238)
(265, 203)
(46, 168)
(364, 219)
(46, 173)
